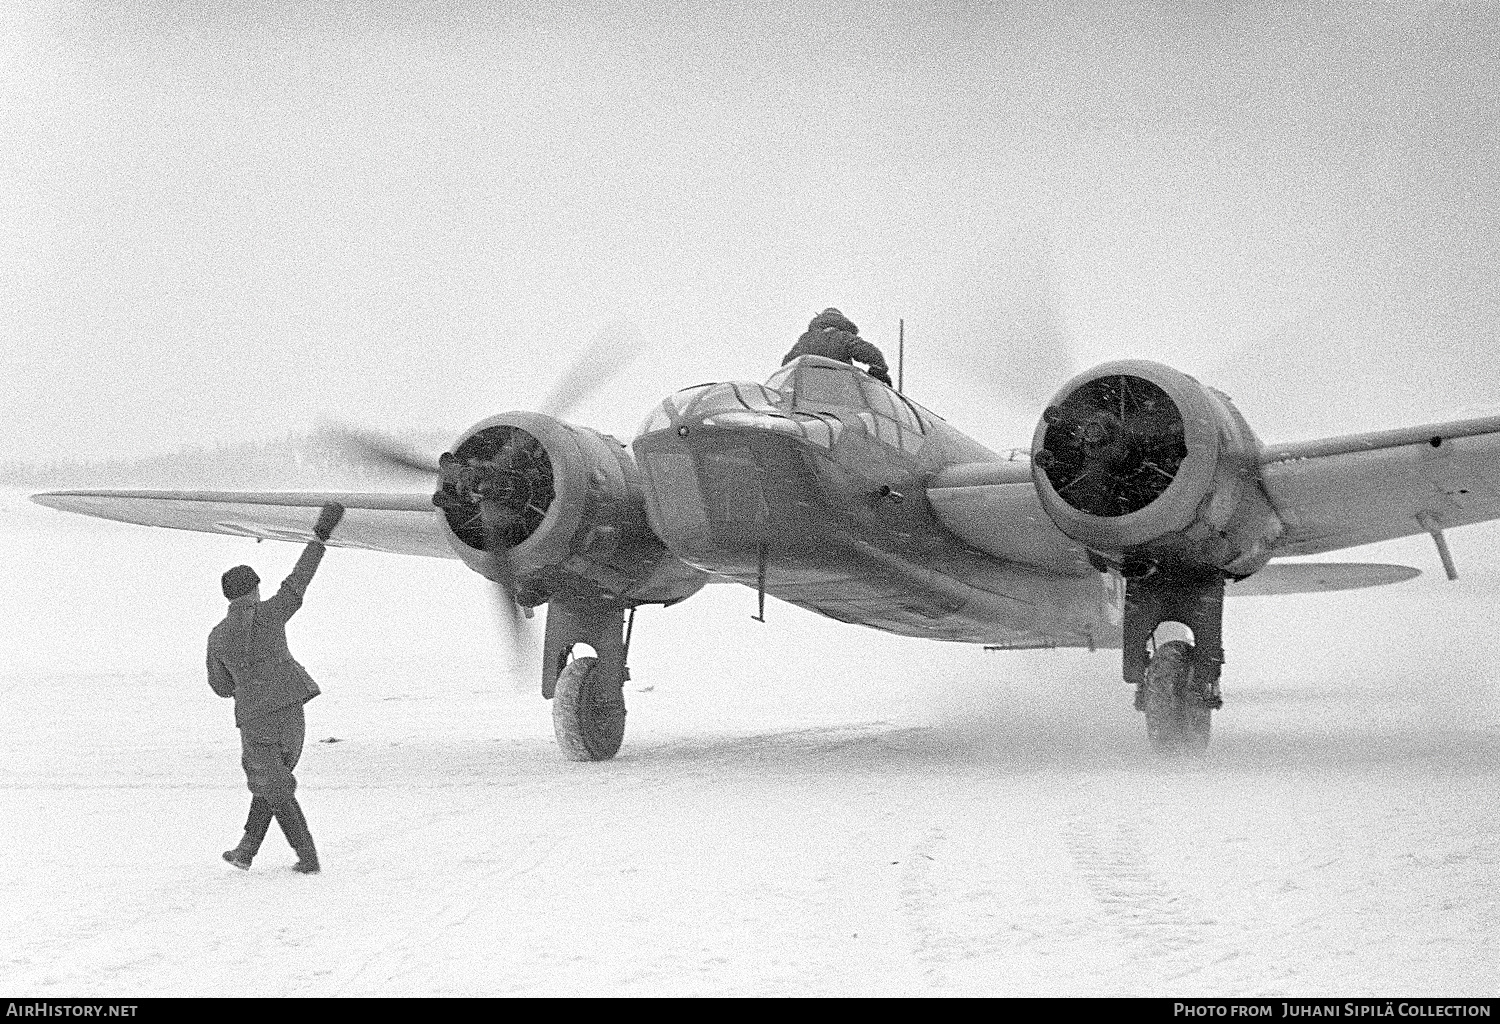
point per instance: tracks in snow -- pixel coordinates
(1150, 917)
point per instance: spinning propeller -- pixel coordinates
(495, 489)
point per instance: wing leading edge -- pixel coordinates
(1333, 493)
(403, 524)
(1342, 492)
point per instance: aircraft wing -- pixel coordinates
(1335, 493)
(404, 524)
(993, 507)
(1345, 491)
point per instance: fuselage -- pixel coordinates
(813, 487)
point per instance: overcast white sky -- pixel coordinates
(224, 220)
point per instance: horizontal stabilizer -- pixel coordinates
(403, 524)
(1318, 577)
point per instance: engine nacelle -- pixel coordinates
(569, 506)
(1146, 467)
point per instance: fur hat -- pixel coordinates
(239, 581)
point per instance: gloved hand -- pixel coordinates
(884, 376)
(327, 520)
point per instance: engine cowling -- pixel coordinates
(569, 507)
(1146, 467)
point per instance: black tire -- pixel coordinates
(588, 712)
(1177, 722)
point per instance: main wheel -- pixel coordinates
(1177, 722)
(588, 712)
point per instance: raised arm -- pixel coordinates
(289, 598)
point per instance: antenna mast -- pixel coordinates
(901, 354)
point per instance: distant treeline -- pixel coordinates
(315, 460)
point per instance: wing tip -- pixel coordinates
(51, 499)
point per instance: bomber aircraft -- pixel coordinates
(1144, 499)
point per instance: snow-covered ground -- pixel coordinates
(800, 807)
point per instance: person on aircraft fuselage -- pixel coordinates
(832, 335)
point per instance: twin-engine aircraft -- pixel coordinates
(1145, 500)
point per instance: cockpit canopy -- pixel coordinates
(809, 395)
(816, 383)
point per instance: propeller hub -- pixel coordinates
(1113, 445)
(496, 488)
(1096, 432)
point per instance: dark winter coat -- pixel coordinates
(248, 658)
(832, 343)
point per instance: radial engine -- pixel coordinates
(555, 511)
(1149, 469)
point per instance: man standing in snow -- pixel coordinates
(248, 660)
(833, 335)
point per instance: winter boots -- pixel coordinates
(294, 826)
(256, 824)
(239, 857)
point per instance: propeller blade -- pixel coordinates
(611, 350)
(382, 452)
(1037, 350)
(509, 615)
(496, 520)
(1007, 329)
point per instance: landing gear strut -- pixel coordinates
(1177, 687)
(587, 694)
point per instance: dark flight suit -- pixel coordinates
(836, 337)
(248, 660)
